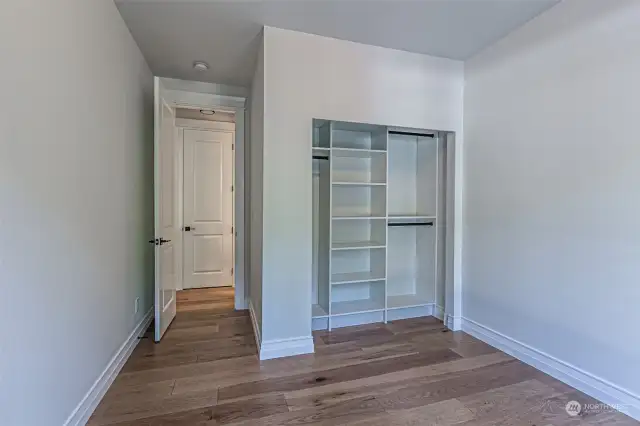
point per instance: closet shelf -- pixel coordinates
(412, 216)
(357, 245)
(406, 301)
(359, 183)
(318, 311)
(357, 152)
(355, 277)
(356, 217)
(356, 307)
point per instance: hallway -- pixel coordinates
(412, 372)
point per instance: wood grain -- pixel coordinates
(404, 373)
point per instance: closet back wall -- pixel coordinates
(306, 77)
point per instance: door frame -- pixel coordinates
(205, 100)
(183, 124)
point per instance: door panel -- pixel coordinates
(165, 223)
(208, 208)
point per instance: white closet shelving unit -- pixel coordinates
(375, 194)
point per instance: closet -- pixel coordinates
(378, 223)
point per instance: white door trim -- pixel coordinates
(185, 99)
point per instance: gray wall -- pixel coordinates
(255, 153)
(552, 180)
(76, 201)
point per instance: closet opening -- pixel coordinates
(379, 223)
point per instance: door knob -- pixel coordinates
(189, 228)
(162, 241)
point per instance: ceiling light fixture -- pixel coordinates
(200, 66)
(207, 112)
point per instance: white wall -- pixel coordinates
(255, 187)
(76, 201)
(306, 77)
(552, 180)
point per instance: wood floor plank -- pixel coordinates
(134, 409)
(320, 378)
(337, 414)
(474, 381)
(206, 372)
(509, 403)
(444, 413)
(388, 383)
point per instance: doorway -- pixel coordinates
(199, 198)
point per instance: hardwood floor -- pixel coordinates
(410, 372)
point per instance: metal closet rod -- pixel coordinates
(320, 157)
(424, 135)
(410, 224)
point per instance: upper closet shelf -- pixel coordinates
(412, 216)
(357, 217)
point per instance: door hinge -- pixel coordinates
(232, 230)
(231, 271)
(233, 146)
(231, 188)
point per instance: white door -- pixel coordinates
(165, 276)
(208, 208)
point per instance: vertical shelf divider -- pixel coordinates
(330, 153)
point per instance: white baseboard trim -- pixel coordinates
(254, 324)
(80, 416)
(597, 387)
(279, 348)
(241, 306)
(438, 312)
(452, 323)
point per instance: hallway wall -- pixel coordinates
(76, 197)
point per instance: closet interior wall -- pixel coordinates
(379, 230)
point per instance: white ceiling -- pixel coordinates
(173, 34)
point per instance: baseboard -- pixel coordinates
(286, 347)
(597, 387)
(254, 323)
(85, 408)
(452, 323)
(438, 312)
(241, 306)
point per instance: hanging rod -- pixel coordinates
(424, 135)
(320, 157)
(410, 224)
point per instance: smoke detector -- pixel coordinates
(200, 66)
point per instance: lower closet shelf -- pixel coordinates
(355, 277)
(318, 311)
(356, 307)
(406, 301)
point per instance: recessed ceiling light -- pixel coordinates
(207, 112)
(200, 66)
